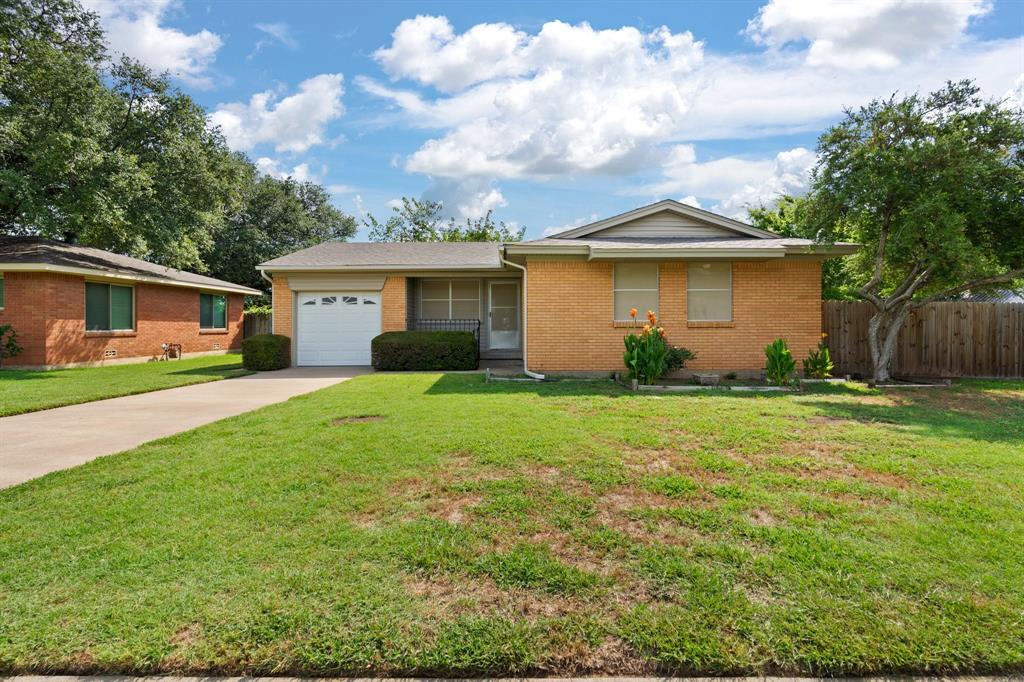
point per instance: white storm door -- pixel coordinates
(504, 315)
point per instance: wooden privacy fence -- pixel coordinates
(256, 324)
(947, 339)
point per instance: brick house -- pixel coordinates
(72, 305)
(720, 287)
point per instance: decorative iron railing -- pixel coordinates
(450, 326)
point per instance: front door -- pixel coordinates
(504, 315)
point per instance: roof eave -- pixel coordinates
(377, 267)
(684, 253)
(112, 274)
(827, 250)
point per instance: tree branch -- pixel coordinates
(983, 282)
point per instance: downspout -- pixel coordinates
(526, 370)
(263, 274)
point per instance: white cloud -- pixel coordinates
(292, 124)
(272, 167)
(555, 229)
(877, 34)
(341, 189)
(734, 183)
(1015, 96)
(690, 200)
(278, 32)
(427, 50)
(467, 198)
(134, 28)
(357, 201)
(568, 99)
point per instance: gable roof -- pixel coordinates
(38, 254)
(392, 256)
(713, 219)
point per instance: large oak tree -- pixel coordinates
(933, 187)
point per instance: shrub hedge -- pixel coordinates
(266, 352)
(410, 351)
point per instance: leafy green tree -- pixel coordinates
(933, 187)
(418, 220)
(787, 217)
(116, 159)
(413, 221)
(482, 229)
(275, 217)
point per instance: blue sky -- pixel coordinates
(556, 113)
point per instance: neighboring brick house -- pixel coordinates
(721, 288)
(74, 305)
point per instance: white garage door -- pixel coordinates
(335, 327)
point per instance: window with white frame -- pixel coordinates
(449, 299)
(635, 285)
(709, 292)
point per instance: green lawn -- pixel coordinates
(31, 390)
(438, 525)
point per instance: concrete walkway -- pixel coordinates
(37, 443)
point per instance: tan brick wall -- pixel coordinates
(51, 310)
(394, 304)
(282, 300)
(570, 315)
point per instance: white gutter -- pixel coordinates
(263, 274)
(526, 369)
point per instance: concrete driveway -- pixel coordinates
(37, 443)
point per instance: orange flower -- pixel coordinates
(661, 331)
(632, 312)
(647, 328)
(824, 335)
(652, 318)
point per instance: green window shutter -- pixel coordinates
(220, 312)
(121, 308)
(97, 307)
(205, 311)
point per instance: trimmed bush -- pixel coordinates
(412, 351)
(266, 352)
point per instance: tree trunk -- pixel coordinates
(883, 331)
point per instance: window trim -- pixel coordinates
(111, 330)
(657, 290)
(451, 300)
(689, 289)
(3, 292)
(227, 302)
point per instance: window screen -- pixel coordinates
(109, 307)
(449, 299)
(213, 311)
(709, 292)
(635, 286)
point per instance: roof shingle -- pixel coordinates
(39, 251)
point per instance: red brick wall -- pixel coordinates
(25, 310)
(570, 315)
(162, 314)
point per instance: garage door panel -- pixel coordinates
(336, 327)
